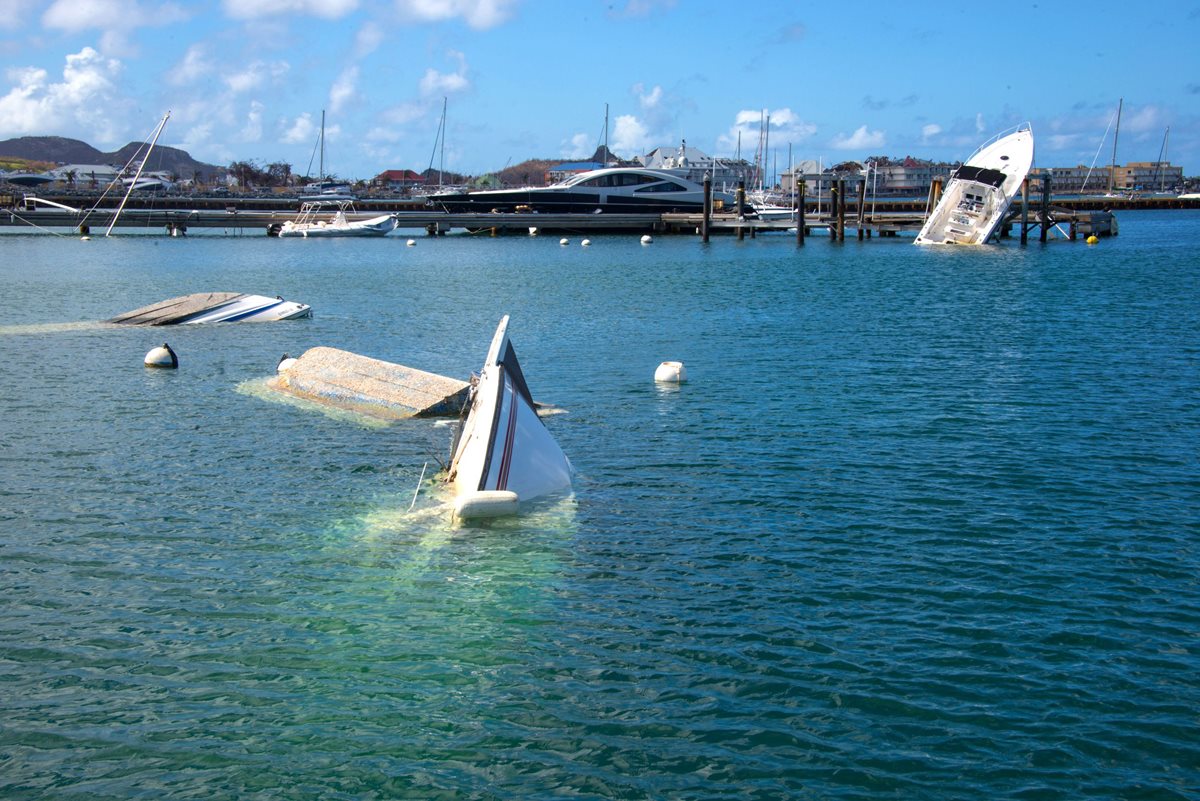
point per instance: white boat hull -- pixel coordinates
(978, 195)
(503, 445)
(253, 309)
(339, 226)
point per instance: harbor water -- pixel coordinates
(922, 523)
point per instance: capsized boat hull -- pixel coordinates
(979, 193)
(214, 307)
(253, 309)
(503, 445)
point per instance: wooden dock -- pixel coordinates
(863, 217)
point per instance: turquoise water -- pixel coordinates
(922, 524)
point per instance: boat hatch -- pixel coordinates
(982, 175)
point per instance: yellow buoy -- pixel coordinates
(1093, 239)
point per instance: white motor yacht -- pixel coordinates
(978, 194)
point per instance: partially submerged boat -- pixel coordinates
(330, 218)
(215, 307)
(503, 454)
(612, 190)
(978, 194)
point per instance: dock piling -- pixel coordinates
(800, 214)
(704, 223)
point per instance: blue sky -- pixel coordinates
(248, 79)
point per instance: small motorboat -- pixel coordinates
(978, 194)
(215, 307)
(329, 218)
(503, 453)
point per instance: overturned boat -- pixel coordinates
(329, 218)
(978, 194)
(503, 454)
(215, 307)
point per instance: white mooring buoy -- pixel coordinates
(412, 243)
(586, 242)
(564, 241)
(161, 356)
(671, 373)
(647, 239)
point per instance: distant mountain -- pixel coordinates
(72, 151)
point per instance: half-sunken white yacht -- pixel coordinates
(978, 194)
(503, 453)
(612, 190)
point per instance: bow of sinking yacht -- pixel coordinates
(978, 194)
(503, 453)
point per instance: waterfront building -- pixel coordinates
(694, 164)
(1072, 180)
(1148, 176)
(399, 180)
(909, 177)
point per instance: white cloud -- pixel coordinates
(928, 132)
(367, 40)
(785, 127)
(648, 100)
(860, 139)
(1147, 118)
(979, 125)
(435, 83)
(343, 89)
(301, 131)
(479, 14)
(85, 100)
(195, 65)
(578, 146)
(255, 75)
(253, 9)
(115, 18)
(13, 14)
(643, 8)
(252, 130)
(630, 135)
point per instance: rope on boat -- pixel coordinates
(35, 225)
(418, 491)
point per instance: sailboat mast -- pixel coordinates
(1158, 166)
(321, 173)
(157, 131)
(1112, 170)
(605, 134)
(442, 151)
